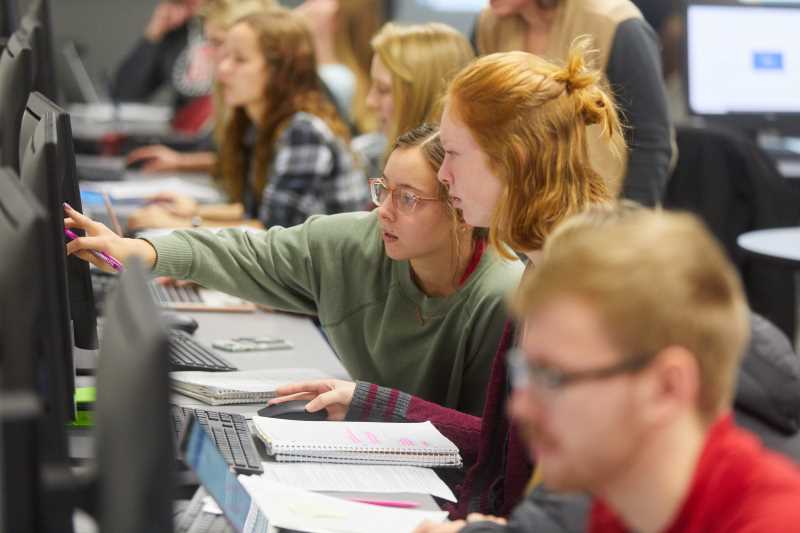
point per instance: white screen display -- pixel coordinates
(743, 59)
(454, 5)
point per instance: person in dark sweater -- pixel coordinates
(626, 51)
(514, 132)
(173, 51)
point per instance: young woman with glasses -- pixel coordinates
(407, 294)
(514, 133)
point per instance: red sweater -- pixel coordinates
(738, 487)
(498, 467)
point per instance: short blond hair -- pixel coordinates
(422, 58)
(656, 279)
(530, 117)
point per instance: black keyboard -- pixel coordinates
(185, 353)
(164, 295)
(229, 433)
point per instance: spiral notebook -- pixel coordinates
(244, 386)
(381, 443)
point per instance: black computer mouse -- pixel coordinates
(138, 164)
(292, 410)
(181, 322)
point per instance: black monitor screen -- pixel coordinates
(22, 231)
(40, 175)
(79, 282)
(135, 439)
(15, 85)
(37, 23)
(22, 226)
(8, 17)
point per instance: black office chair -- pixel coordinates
(767, 398)
(734, 187)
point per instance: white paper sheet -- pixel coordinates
(291, 508)
(145, 188)
(358, 478)
(210, 506)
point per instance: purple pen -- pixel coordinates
(110, 261)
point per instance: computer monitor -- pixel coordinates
(741, 65)
(22, 228)
(40, 174)
(37, 23)
(79, 281)
(15, 85)
(8, 18)
(134, 435)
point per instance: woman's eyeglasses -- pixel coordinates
(403, 198)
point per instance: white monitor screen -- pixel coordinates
(743, 59)
(454, 5)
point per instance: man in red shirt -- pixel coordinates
(623, 385)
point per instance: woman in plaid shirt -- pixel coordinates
(285, 154)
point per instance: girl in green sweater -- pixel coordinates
(408, 294)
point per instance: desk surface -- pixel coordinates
(781, 244)
(310, 350)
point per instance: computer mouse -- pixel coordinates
(292, 410)
(138, 164)
(181, 322)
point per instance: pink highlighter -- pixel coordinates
(110, 261)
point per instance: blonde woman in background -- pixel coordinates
(342, 30)
(627, 53)
(410, 69)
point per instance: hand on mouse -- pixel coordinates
(335, 395)
(101, 239)
(156, 158)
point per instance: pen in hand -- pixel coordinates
(109, 260)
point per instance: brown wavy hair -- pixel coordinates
(224, 13)
(529, 117)
(292, 87)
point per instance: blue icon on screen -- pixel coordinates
(767, 60)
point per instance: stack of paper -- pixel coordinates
(381, 443)
(295, 509)
(321, 477)
(245, 386)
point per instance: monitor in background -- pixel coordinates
(15, 85)
(741, 63)
(37, 23)
(79, 281)
(8, 18)
(133, 430)
(22, 228)
(40, 175)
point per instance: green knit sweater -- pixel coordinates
(384, 329)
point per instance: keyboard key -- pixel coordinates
(229, 433)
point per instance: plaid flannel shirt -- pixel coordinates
(313, 172)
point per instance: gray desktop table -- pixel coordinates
(310, 349)
(781, 245)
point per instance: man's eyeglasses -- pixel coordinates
(524, 373)
(403, 198)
